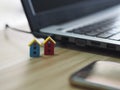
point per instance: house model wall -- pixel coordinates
(34, 48)
(49, 45)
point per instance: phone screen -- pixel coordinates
(100, 73)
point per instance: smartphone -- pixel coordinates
(98, 75)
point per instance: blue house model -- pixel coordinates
(34, 48)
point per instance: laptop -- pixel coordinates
(94, 23)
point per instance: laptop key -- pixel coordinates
(93, 33)
(81, 30)
(115, 37)
(109, 33)
(99, 30)
(105, 35)
(114, 31)
(77, 31)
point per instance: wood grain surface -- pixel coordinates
(20, 72)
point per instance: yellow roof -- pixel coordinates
(49, 38)
(34, 40)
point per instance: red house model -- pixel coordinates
(49, 45)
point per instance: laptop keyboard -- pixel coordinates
(107, 29)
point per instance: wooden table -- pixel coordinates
(20, 72)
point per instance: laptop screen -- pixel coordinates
(45, 5)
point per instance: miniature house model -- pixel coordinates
(34, 48)
(49, 45)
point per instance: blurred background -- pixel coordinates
(11, 12)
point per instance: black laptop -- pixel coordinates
(81, 22)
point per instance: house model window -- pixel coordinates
(49, 44)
